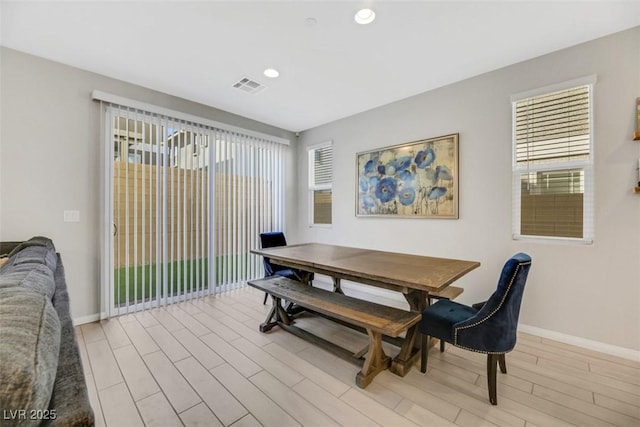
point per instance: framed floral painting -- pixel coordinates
(414, 180)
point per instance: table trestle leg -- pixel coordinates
(410, 351)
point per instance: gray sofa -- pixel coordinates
(41, 377)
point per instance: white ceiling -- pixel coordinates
(330, 70)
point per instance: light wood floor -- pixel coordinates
(205, 363)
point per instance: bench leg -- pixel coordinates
(293, 309)
(375, 361)
(276, 315)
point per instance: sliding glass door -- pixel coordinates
(186, 205)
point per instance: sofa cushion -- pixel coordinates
(31, 276)
(37, 249)
(29, 348)
(34, 241)
(36, 254)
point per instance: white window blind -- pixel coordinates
(553, 128)
(320, 183)
(553, 164)
(185, 203)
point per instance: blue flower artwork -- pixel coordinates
(371, 165)
(364, 184)
(386, 189)
(368, 201)
(406, 177)
(424, 158)
(403, 163)
(443, 172)
(407, 196)
(413, 180)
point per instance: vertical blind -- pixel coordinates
(321, 177)
(187, 202)
(553, 164)
(249, 193)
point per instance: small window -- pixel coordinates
(553, 164)
(320, 183)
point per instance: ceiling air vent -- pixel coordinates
(249, 86)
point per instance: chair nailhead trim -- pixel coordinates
(455, 331)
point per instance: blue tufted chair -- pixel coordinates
(274, 239)
(488, 327)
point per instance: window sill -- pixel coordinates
(319, 225)
(553, 240)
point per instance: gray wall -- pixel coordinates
(590, 292)
(50, 160)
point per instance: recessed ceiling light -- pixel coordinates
(272, 73)
(365, 16)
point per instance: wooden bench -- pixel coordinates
(377, 319)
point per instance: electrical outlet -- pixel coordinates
(71, 216)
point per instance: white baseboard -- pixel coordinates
(625, 353)
(86, 319)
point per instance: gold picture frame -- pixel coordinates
(636, 134)
(417, 179)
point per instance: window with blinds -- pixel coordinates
(320, 183)
(553, 162)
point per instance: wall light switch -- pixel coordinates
(71, 216)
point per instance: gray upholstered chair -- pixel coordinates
(488, 327)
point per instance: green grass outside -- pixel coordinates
(183, 277)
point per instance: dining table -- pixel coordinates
(416, 277)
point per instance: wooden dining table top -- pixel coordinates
(379, 268)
